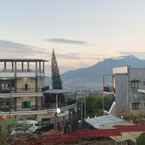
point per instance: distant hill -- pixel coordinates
(91, 77)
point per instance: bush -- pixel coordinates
(135, 117)
(141, 140)
(94, 105)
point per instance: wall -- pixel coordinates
(134, 95)
(121, 92)
(21, 84)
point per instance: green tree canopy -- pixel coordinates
(55, 76)
(141, 140)
(94, 104)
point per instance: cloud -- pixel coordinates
(137, 53)
(14, 49)
(67, 41)
(76, 56)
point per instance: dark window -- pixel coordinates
(107, 89)
(135, 106)
(135, 84)
(26, 87)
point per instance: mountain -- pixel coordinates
(92, 77)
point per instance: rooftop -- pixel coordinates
(106, 121)
(21, 60)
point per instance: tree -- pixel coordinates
(141, 140)
(94, 104)
(55, 76)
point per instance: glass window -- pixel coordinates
(135, 84)
(135, 106)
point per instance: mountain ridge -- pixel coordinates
(92, 77)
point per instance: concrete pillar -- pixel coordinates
(43, 66)
(12, 66)
(40, 66)
(22, 63)
(36, 76)
(15, 72)
(5, 66)
(28, 67)
(38, 103)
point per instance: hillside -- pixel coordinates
(91, 77)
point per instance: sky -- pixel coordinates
(82, 32)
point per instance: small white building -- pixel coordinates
(129, 89)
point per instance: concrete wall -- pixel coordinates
(121, 92)
(21, 84)
(125, 94)
(31, 84)
(134, 95)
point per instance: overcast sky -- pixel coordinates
(82, 32)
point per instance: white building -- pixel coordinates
(129, 89)
(23, 94)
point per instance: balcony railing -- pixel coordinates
(34, 108)
(20, 70)
(20, 90)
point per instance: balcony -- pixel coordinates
(35, 111)
(12, 74)
(20, 94)
(30, 112)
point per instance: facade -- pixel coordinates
(23, 94)
(129, 89)
(21, 81)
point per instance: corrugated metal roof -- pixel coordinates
(106, 121)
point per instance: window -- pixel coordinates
(135, 84)
(27, 104)
(26, 87)
(135, 106)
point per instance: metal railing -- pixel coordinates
(20, 70)
(19, 90)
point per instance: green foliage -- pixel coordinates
(3, 136)
(56, 78)
(94, 105)
(141, 140)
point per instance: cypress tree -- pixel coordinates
(55, 76)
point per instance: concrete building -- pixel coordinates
(22, 90)
(129, 89)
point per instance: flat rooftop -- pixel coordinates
(120, 70)
(22, 60)
(106, 121)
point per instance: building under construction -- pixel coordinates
(23, 94)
